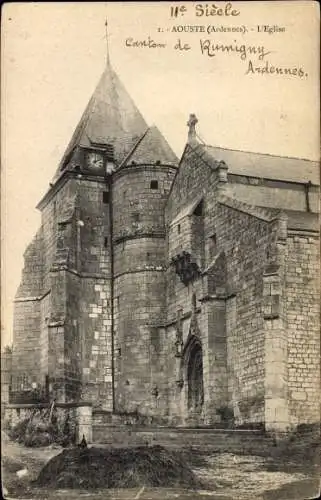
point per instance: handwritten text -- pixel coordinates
(210, 49)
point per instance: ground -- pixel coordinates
(226, 476)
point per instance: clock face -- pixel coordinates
(95, 160)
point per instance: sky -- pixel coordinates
(54, 53)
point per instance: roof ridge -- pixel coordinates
(266, 214)
(152, 148)
(260, 153)
(123, 163)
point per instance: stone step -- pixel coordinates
(216, 439)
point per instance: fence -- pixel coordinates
(26, 388)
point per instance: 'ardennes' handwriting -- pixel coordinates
(269, 69)
(210, 49)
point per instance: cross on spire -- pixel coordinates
(191, 128)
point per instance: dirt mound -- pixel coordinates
(117, 468)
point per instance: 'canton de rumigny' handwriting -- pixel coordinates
(210, 49)
(206, 10)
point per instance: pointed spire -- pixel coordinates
(107, 44)
(110, 118)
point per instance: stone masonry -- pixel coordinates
(185, 292)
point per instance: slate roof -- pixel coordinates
(152, 147)
(266, 166)
(307, 221)
(111, 117)
(263, 213)
(187, 210)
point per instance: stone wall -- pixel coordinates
(90, 313)
(231, 331)
(138, 208)
(95, 331)
(34, 310)
(44, 338)
(57, 216)
(27, 318)
(73, 318)
(303, 319)
(26, 347)
(31, 284)
(94, 239)
(245, 240)
(105, 312)
(139, 195)
(194, 177)
(138, 305)
(6, 372)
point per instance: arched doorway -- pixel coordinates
(195, 395)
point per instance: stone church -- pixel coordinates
(186, 290)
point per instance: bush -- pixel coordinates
(37, 430)
(18, 431)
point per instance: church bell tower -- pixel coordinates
(102, 244)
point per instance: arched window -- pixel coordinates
(195, 376)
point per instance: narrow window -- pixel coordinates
(61, 235)
(199, 209)
(154, 184)
(212, 246)
(179, 228)
(119, 352)
(106, 241)
(105, 196)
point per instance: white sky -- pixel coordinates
(53, 55)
